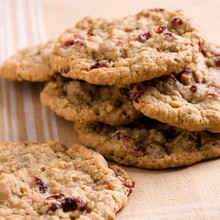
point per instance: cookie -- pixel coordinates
(189, 99)
(149, 144)
(31, 64)
(80, 101)
(76, 183)
(131, 49)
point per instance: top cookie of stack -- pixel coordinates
(128, 50)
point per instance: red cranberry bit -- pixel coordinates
(76, 39)
(120, 43)
(43, 187)
(65, 69)
(81, 206)
(172, 79)
(176, 22)
(73, 42)
(69, 42)
(69, 205)
(56, 196)
(217, 62)
(193, 88)
(169, 34)
(130, 187)
(90, 32)
(186, 71)
(143, 37)
(200, 47)
(80, 43)
(98, 65)
(136, 94)
(73, 204)
(51, 209)
(214, 92)
(161, 29)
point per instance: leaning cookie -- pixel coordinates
(149, 144)
(189, 99)
(31, 64)
(49, 181)
(132, 49)
(80, 101)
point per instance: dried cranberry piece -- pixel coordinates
(193, 88)
(73, 42)
(167, 33)
(69, 42)
(214, 92)
(120, 43)
(172, 79)
(136, 94)
(65, 69)
(176, 22)
(186, 71)
(143, 37)
(81, 206)
(56, 196)
(76, 39)
(51, 209)
(200, 47)
(90, 32)
(217, 62)
(70, 204)
(130, 187)
(43, 187)
(98, 65)
(161, 29)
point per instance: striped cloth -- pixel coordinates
(22, 117)
(189, 193)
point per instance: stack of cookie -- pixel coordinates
(143, 90)
(119, 76)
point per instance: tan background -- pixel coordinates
(186, 193)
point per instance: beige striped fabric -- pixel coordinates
(22, 117)
(187, 193)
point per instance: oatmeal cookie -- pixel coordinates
(80, 101)
(189, 99)
(31, 64)
(49, 181)
(149, 144)
(131, 49)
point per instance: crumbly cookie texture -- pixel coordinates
(149, 144)
(189, 99)
(80, 101)
(31, 64)
(49, 181)
(132, 49)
